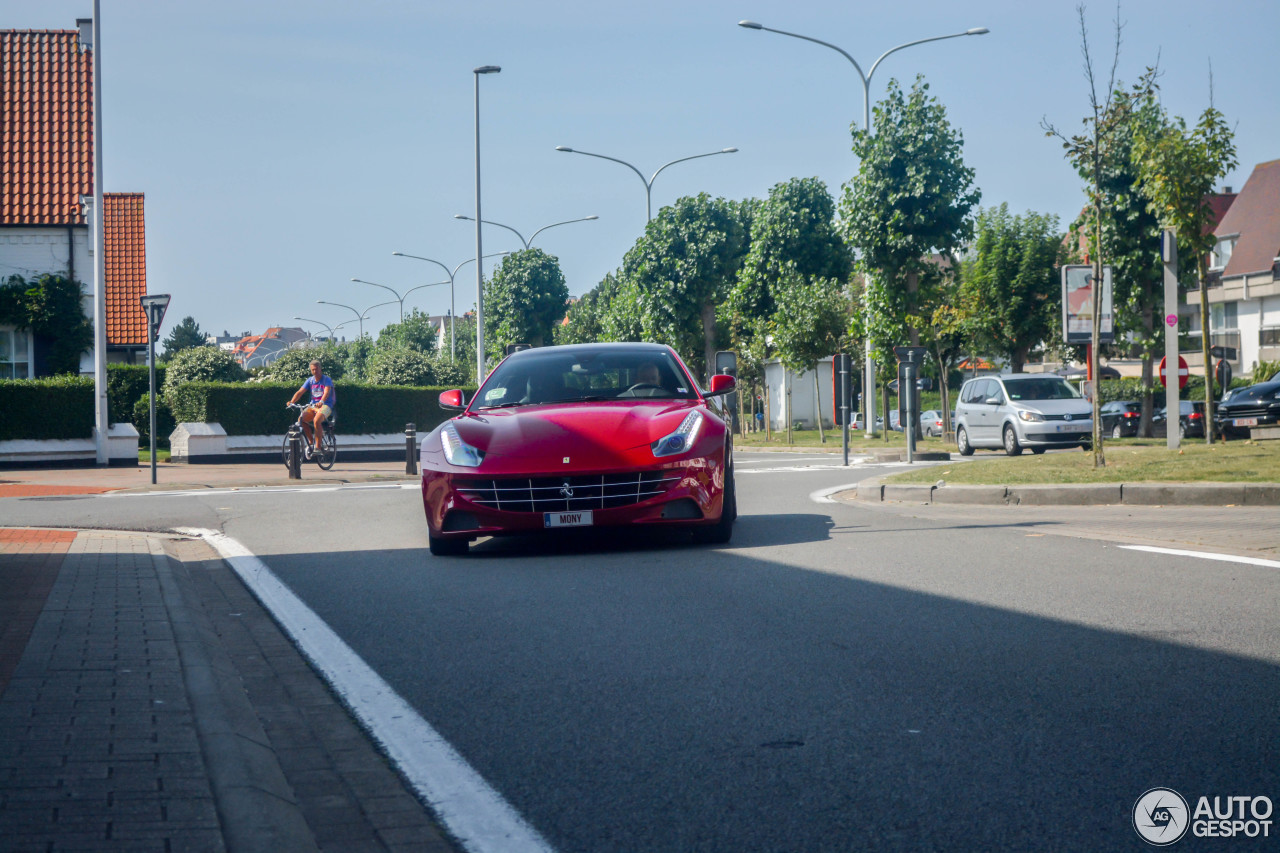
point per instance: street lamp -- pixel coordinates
(399, 298)
(360, 314)
(648, 184)
(91, 40)
(453, 311)
(869, 383)
(483, 69)
(528, 243)
(333, 330)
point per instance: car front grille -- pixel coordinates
(564, 494)
(1260, 410)
(1080, 418)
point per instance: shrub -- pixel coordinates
(202, 364)
(295, 365)
(165, 423)
(400, 367)
(56, 407)
(126, 384)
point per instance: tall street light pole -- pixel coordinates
(648, 182)
(453, 310)
(399, 298)
(483, 69)
(528, 243)
(359, 314)
(91, 40)
(333, 330)
(869, 383)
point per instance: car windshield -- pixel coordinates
(1040, 388)
(584, 375)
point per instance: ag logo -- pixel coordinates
(1161, 816)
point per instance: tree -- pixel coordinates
(295, 365)
(50, 307)
(809, 323)
(400, 366)
(524, 300)
(185, 335)
(355, 356)
(913, 197)
(682, 268)
(201, 364)
(1010, 282)
(416, 332)
(1178, 168)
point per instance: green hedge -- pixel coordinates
(58, 407)
(258, 408)
(126, 385)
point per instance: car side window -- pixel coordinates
(971, 390)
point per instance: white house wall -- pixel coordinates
(35, 250)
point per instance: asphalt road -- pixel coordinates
(841, 677)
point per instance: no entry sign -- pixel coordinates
(1183, 372)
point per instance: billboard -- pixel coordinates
(1077, 305)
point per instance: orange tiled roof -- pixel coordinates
(125, 235)
(46, 148)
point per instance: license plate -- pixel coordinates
(567, 519)
(1245, 422)
(1068, 427)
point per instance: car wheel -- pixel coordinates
(722, 531)
(1182, 428)
(1116, 432)
(962, 442)
(1037, 450)
(447, 547)
(1011, 446)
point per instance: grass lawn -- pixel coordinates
(1128, 460)
(144, 455)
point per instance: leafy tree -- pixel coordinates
(1178, 168)
(913, 196)
(355, 356)
(295, 365)
(416, 332)
(452, 374)
(622, 319)
(201, 364)
(400, 366)
(50, 307)
(1011, 282)
(185, 335)
(464, 352)
(524, 300)
(682, 268)
(810, 323)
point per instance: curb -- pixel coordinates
(875, 490)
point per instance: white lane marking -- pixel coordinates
(1205, 555)
(258, 490)
(784, 469)
(470, 809)
(823, 496)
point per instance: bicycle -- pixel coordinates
(328, 444)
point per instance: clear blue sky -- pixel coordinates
(286, 147)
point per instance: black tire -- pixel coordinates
(284, 451)
(328, 451)
(962, 442)
(1037, 450)
(448, 547)
(1011, 446)
(722, 531)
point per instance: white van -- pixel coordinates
(1013, 411)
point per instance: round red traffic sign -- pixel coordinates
(1183, 372)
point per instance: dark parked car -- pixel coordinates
(1190, 420)
(1254, 406)
(1120, 418)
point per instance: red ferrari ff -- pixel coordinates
(589, 435)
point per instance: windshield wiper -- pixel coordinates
(510, 405)
(589, 399)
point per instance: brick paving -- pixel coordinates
(113, 735)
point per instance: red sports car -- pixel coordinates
(582, 436)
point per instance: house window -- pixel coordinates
(15, 354)
(1222, 252)
(1269, 337)
(1223, 316)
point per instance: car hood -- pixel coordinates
(1075, 408)
(589, 435)
(1253, 394)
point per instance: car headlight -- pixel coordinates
(1032, 417)
(457, 451)
(680, 440)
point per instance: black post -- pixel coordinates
(151, 374)
(295, 454)
(410, 449)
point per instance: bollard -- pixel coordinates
(295, 454)
(410, 449)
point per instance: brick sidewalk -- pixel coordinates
(152, 704)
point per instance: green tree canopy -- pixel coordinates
(201, 364)
(416, 332)
(400, 366)
(523, 301)
(185, 335)
(295, 365)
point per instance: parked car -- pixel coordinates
(1120, 418)
(1022, 410)
(931, 423)
(1252, 406)
(591, 435)
(1191, 420)
(1077, 373)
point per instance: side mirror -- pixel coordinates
(722, 384)
(453, 400)
(992, 401)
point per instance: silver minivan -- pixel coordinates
(1013, 411)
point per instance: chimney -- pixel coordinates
(1226, 190)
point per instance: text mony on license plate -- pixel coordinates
(568, 519)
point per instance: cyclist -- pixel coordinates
(324, 399)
